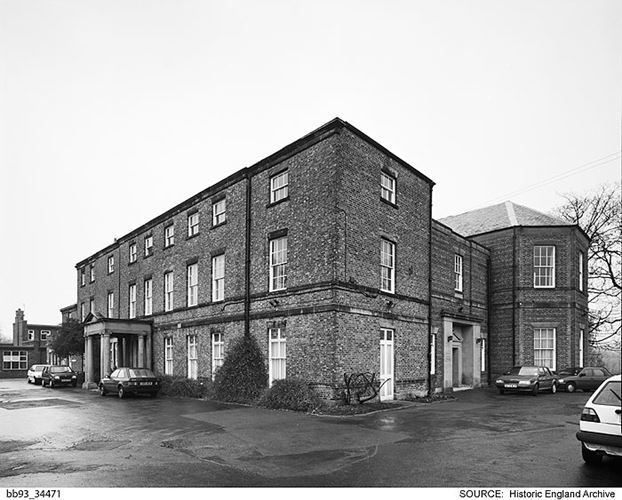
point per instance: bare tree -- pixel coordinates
(599, 215)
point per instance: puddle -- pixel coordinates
(36, 403)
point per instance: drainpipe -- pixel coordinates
(247, 265)
(514, 296)
(430, 293)
(488, 315)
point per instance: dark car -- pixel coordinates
(531, 379)
(125, 381)
(56, 375)
(587, 379)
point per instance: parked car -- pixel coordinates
(531, 379)
(587, 379)
(56, 375)
(600, 429)
(567, 372)
(34, 374)
(125, 381)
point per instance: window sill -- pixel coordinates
(132, 263)
(273, 203)
(214, 226)
(168, 246)
(148, 255)
(190, 236)
(390, 203)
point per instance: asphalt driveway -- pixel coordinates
(71, 437)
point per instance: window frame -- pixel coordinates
(219, 216)
(131, 298)
(110, 264)
(385, 268)
(148, 242)
(280, 266)
(539, 270)
(192, 284)
(82, 276)
(132, 252)
(169, 235)
(540, 360)
(110, 304)
(218, 280)
(82, 311)
(279, 192)
(169, 291)
(8, 358)
(192, 356)
(280, 341)
(458, 273)
(581, 277)
(193, 224)
(218, 351)
(391, 189)
(91, 273)
(168, 356)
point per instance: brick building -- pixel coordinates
(29, 346)
(325, 251)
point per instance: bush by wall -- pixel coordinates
(177, 386)
(243, 376)
(291, 394)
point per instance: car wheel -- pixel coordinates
(590, 457)
(535, 390)
(121, 392)
(51, 384)
(571, 388)
(74, 384)
(102, 391)
(501, 391)
(42, 383)
(554, 388)
(28, 380)
(153, 394)
(37, 381)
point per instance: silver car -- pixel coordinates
(34, 374)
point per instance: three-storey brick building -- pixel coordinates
(325, 252)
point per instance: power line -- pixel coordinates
(562, 175)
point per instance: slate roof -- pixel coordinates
(501, 216)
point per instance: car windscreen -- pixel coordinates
(141, 372)
(60, 369)
(524, 370)
(609, 395)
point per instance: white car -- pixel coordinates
(600, 427)
(34, 374)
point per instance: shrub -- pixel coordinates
(177, 386)
(291, 394)
(242, 376)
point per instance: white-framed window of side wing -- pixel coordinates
(168, 356)
(91, 273)
(458, 273)
(544, 347)
(82, 311)
(218, 352)
(31, 334)
(218, 277)
(278, 264)
(132, 301)
(82, 276)
(279, 187)
(544, 266)
(482, 351)
(14, 360)
(193, 224)
(387, 266)
(192, 279)
(92, 305)
(581, 278)
(169, 235)
(132, 253)
(148, 297)
(387, 187)
(110, 304)
(45, 334)
(219, 212)
(193, 361)
(169, 290)
(110, 264)
(148, 245)
(277, 354)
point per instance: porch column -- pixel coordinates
(477, 356)
(141, 351)
(105, 355)
(125, 353)
(90, 368)
(149, 351)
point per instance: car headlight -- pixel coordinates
(56, 377)
(499, 381)
(561, 381)
(73, 376)
(525, 382)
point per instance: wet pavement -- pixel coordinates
(71, 437)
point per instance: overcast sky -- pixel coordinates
(111, 112)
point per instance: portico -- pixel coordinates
(112, 343)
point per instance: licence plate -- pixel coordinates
(511, 386)
(146, 383)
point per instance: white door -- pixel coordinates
(386, 364)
